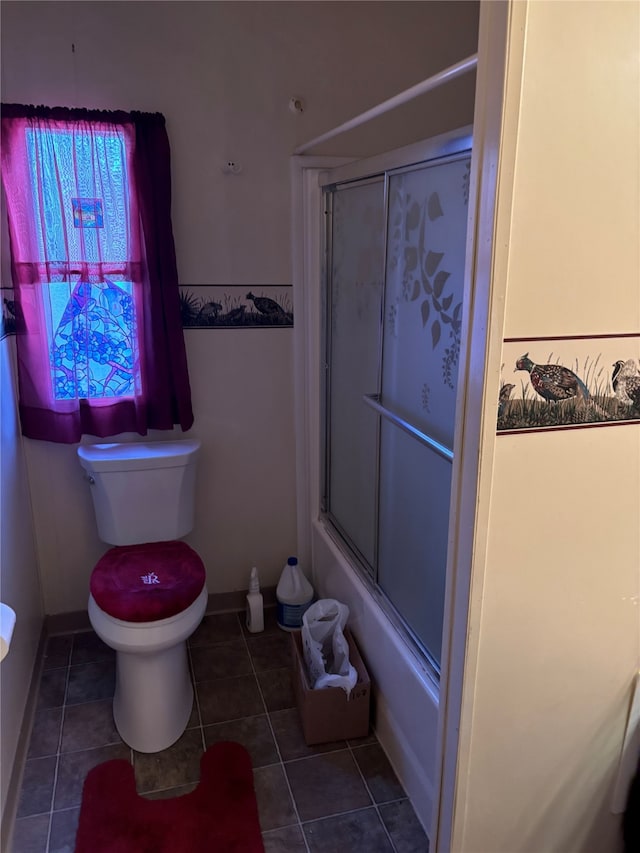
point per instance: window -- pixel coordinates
(80, 195)
(94, 271)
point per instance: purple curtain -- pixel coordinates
(100, 346)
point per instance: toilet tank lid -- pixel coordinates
(136, 456)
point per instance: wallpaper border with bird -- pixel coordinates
(234, 306)
(8, 324)
(207, 306)
(569, 382)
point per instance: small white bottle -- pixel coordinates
(255, 610)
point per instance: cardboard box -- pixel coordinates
(327, 714)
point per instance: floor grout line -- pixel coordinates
(277, 745)
(340, 814)
(59, 748)
(196, 698)
(373, 799)
(249, 642)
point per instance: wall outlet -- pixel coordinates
(232, 167)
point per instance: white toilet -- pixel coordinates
(148, 594)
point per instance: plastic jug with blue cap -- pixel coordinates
(294, 595)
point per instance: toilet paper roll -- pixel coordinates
(7, 623)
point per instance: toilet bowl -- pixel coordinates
(154, 696)
(148, 594)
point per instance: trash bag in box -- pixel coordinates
(325, 648)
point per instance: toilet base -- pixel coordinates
(154, 694)
(153, 698)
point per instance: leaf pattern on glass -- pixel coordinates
(391, 320)
(466, 179)
(434, 207)
(432, 262)
(411, 290)
(436, 331)
(410, 258)
(439, 282)
(426, 396)
(413, 217)
(417, 270)
(450, 362)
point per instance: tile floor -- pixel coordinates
(310, 799)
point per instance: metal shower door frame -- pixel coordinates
(439, 150)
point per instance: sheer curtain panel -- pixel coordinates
(99, 342)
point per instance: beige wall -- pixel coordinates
(19, 577)
(19, 582)
(553, 645)
(223, 74)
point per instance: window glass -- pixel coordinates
(80, 197)
(93, 352)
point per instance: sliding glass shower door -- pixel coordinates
(395, 272)
(357, 272)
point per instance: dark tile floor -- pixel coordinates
(311, 799)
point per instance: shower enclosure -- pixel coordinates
(395, 242)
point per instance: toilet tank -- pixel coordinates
(142, 491)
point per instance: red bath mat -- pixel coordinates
(219, 816)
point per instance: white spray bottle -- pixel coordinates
(255, 610)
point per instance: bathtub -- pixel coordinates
(404, 694)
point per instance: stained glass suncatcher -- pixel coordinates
(93, 353)
(87, 213)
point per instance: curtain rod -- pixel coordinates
(450, 73)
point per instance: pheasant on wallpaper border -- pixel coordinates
(267, 306)
(236, 316)
(208, 313)
(625, 380)
(12, 307)
(553, 382)
(504, 398)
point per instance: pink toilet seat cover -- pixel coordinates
(147, 582)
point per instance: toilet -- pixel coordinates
(147, 593)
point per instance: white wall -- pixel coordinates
(223, 73)
(553, 643)
(19, 582)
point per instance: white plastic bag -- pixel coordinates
(326, 651)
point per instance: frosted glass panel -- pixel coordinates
(423, 297)
(415, 486)
(354, 352)
(395, 280)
